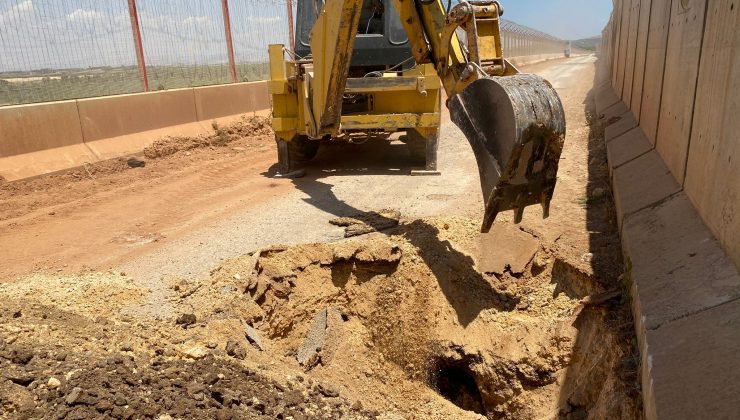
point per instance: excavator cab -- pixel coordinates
(381, 41)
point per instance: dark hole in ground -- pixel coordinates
(454, 380)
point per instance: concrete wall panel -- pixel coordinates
(654, 65)
(629, 68)
(30, 128)
(679, 85)
(713, 170)
(224, 100)
(617, 14)
(42, 138)
(114, 116)
(622, 55)
(640, 56)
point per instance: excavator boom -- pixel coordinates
(514, 122)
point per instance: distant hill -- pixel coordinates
(589, 44)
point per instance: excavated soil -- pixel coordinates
(399, 324)
(165, 155)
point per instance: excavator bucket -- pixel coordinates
(516, 126)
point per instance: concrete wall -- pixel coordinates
(682, 85)
(671, 100)
(43, 138)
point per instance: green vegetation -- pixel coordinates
(589, 44)
(57, 85)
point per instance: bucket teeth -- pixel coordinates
(516, 127)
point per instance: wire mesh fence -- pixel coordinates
(519, 40)
(54, 50)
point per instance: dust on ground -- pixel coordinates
(417, 331)
(164, 156)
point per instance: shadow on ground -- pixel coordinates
(601, 381)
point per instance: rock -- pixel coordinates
(587, 257)
(322, 339)
(235, 350)
(18, 376)
(598, 192)
(21, 356)
(368, 222)
(211, 378)
(186, 320)
(53, 383)
(196, 352)
(228, 289)
(254, 337)
(135, 163)
(328, 390)
(237, 276)
(73, 396)
(126, 346)
(103, 406)
(506, 247)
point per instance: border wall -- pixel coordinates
(669, 89)
(38, 139)
(43, 138)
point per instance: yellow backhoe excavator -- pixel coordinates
(514, 122)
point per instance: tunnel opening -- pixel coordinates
(455, 381)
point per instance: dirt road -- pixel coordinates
(155, 273)
(184, 215)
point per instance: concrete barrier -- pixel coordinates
(534, 59)
(622, 51)
(124, 124)
(674, 158)
(43, 138)
(679, 86)
(638, 77)
(38, 139)
(713, 166)
(220, 101)
(660, 15)
(629, 67)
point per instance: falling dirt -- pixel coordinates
(408, 327)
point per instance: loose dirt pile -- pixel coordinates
(389, 325)
(165, 156)
(247, 126)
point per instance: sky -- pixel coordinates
(36, 34)
(566, 19)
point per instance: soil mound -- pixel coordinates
(388, 325)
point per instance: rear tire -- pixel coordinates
(296, 152)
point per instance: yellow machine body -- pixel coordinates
(514, 122)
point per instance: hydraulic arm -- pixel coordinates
(514, 122)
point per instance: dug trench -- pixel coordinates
(411, 322)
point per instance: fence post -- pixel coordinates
(290, 25)
(229, 40)
(134, 15)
